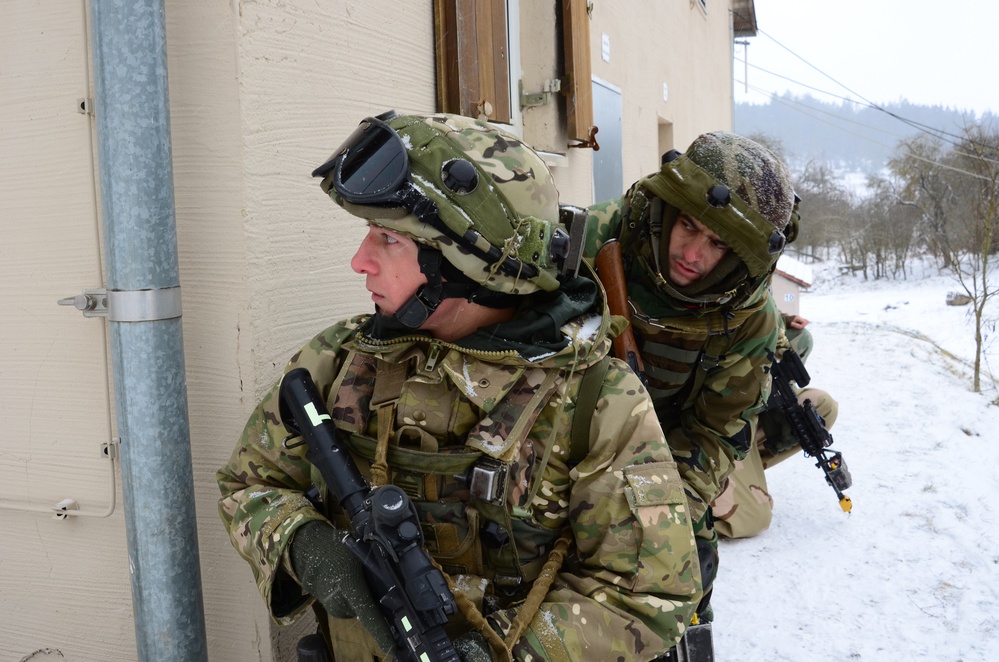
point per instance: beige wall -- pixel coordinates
(64, 584)
(261, 92)
(787, 294)
(676, 43)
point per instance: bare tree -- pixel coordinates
(973, 258)
(927, 185)
(895, 224)
(771, 142)
(827, 218)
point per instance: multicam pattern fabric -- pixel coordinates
(513, 208)
(631, 582)
(709, 429)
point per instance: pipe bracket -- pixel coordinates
(144, 305)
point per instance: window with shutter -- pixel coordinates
(474, 66)
(577, 86)
(473, 70)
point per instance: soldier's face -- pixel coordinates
(694, 250)
(389, 263)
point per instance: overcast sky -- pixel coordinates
(926, 51)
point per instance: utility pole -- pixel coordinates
(745, 63)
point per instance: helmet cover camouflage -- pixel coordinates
(724, 180)
(509, 199)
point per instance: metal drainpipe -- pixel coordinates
(144, 323)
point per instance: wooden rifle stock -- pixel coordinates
(610, 269)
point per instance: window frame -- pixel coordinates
(478, 60)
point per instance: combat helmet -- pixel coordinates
(481, 205)
(740, 191)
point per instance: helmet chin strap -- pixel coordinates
(415, 312)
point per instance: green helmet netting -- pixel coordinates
(749, 214)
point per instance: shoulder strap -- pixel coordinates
(712, 354)
(586, 403)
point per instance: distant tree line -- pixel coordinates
(935, 194)
(845, 135)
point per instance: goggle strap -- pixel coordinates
(424, 209)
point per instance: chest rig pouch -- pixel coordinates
(473, 467)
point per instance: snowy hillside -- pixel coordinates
(913, 572)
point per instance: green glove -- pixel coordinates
(473, 647)
(331, 573)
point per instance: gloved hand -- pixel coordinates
(331, 573)
(473, 647)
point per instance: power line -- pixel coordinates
(937, 133)
(792, 102)
(909, 153)
(956, 147)
(919, 126)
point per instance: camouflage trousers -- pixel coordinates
(801, 341)
(745, 508)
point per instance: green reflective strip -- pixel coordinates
(314, 416)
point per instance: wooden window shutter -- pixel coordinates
(472, 66)
(577, 87)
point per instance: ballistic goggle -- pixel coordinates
(372, 168)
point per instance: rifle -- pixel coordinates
(696, 644)
(412, 593)
(610, 269)
(806, 423)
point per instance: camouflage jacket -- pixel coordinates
(630, 582)
(708, 376)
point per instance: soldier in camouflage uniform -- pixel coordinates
(475, 359)
(700, 239)
(745, 507)
(798, 337)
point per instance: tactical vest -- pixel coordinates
(478, 492)
(678, 352)
(671, 356)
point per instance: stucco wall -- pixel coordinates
(209, 157)
(261, 92)
(676, 43)
(787, 295)
(64, 584)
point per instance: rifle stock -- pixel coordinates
(609, 264)
(412, 593)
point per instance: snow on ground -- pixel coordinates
(913, 572)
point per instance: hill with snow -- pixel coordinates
(913, 572)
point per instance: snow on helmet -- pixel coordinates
(736, 187)
(474, 192)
